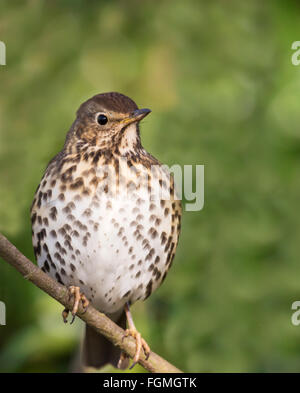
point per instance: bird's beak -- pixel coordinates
(136, 116)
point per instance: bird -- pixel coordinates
(106, 220)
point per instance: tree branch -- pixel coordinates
(98, 321)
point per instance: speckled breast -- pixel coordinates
(109, 235)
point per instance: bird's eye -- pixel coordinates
(102, 119)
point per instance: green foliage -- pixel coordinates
(224, 93)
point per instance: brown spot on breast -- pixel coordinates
(157, 221)
(164, 276)
(45, 247)
(163, 237)
(66, 210)
(67, 243)
(86, 191)
(148, 289)
(58, 278)
(168, 243)
(53, 213)
(62, 231)
(73, 268)
(50, 261)
(68, 237)
(126, 294)
(156, 273)
(121, 231)
(171, 260)
(140, 201)
(94, 181)
(77, 184)
(46, 266)
(71, 205)
(150, 254)
(33, 218)
(151, 267)
(169, 256)
(153, 232)
(84, 241)
(41, 234)
(87, 212)
(37, 250)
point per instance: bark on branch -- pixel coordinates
(98, 321)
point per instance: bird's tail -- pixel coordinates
(98, 351)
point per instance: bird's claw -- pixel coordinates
(78, 297)
(140, 344)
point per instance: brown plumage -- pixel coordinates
(95, 222)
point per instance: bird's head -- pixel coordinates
(108, 120)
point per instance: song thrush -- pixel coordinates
(99, 225)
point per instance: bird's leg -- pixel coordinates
(78, 296)
(140, 342)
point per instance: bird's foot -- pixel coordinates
(140, 344)
(78, 297)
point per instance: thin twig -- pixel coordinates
(98, 321)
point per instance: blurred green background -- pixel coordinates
(224, 93)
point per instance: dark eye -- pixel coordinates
(102, 119)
